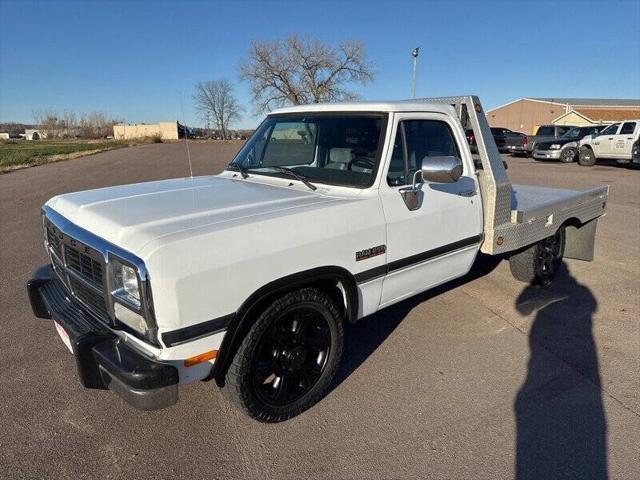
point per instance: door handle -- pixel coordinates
(467, 193)
(629, 138)
(610, 138)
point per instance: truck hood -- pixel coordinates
(130, 216)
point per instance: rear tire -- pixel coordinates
(586, 158)
(288, 358)
(539, 263)
(568, 155)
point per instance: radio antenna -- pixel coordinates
(186, 134)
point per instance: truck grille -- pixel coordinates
(87, 267)
(54, 238)
(92, 299)
(81, 270)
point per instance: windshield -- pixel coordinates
(546, 131)
(337, 149)
(575, 132)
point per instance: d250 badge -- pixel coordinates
(370, 252)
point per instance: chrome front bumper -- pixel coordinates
(547, 154)
(103, 360)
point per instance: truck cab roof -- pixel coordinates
(414, 105)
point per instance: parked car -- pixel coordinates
(546, 133)
(515, 141)
(565, 148)
(327, 214)
(614, 142)
(498, 137)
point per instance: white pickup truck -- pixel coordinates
(327, 214)
(617, 142)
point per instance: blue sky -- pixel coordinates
(136, 60)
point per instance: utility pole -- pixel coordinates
(415, 64)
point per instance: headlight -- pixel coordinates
(125, 284)
(555, 146)
(130, 296)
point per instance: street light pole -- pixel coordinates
(415, 64)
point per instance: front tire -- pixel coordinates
(586, 158)
(288, 358)
(568, 155)
(539, 263)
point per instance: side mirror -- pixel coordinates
(434, 169)
(440, 169)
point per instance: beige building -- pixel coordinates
(526, 114)
(165, 130)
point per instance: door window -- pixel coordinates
(627, 128)
(416, 141)
(611, 129)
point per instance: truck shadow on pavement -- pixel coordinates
(365, 336)
(560, 420)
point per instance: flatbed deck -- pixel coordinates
(529, 203)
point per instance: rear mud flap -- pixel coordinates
(580, 242)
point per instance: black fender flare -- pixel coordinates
(243, 319)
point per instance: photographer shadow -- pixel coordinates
(560, 419)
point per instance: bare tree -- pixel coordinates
(92, 125)
(48, 122)
(96, 125)
(70, 122)
(215, 100)
(303, 70)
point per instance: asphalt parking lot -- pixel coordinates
(484, 378)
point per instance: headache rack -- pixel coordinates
(516, 216)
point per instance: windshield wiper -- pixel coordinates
(296, 175)
(244, 171)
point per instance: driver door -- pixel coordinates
(622, 142)
(602, 144)
(438, 240)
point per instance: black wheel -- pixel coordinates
(586, 157)
(568, 155)
(288, 358)
(539, 263)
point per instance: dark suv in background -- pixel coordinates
(546, 133)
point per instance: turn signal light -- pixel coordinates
(203, 357)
